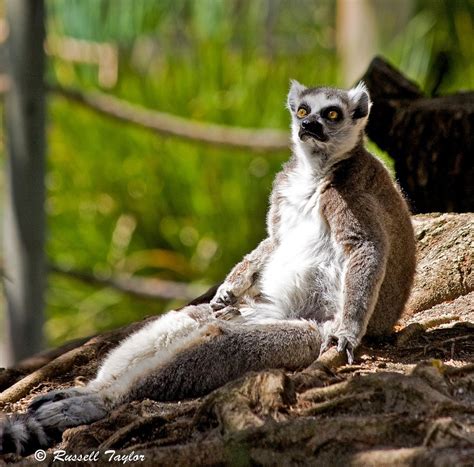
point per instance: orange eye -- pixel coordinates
(333, 115)
(301, 112)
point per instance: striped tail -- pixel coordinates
(22, 434)
(48, 416)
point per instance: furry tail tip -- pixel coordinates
(21, 433)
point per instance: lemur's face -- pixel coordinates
(327, 120)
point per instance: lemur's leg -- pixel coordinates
(193, 354)
(143, 350)
(225, 351)
(138, 356)
(150, 346)
(242, 276)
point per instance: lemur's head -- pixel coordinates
(327, 121)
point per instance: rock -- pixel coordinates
(445, 254)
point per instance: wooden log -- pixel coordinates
(430, 139)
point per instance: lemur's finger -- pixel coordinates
(350, 354)
(222, 299)
(341, 344)
(327, 343)
(217, 304)
(345, 346)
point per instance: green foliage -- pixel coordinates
(436, 44)
(122, 200)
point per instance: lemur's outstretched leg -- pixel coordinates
(225, 351)
(141, 352)
(24, 432)
(183, 354)
(191, 364)
(243, 276)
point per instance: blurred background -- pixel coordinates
(128, 208)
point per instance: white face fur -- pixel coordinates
(326, 122)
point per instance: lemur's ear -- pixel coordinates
(295, 90)
(360, 99)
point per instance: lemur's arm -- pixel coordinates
(358, 231)
(243, 275)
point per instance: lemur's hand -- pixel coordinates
(231, 290)
(346, 342)
(223, 297)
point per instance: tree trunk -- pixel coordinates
(429, 138)
(356, 36)
(24, 213)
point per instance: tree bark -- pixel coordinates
(430, 139)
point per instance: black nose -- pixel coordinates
(312, 126)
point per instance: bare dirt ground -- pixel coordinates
(408, 400)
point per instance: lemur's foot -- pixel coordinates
(228, 313)
(74, 411)
(54, 396)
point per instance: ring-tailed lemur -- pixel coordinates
(338, 263)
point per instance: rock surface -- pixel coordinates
(445, 259)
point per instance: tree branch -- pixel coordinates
(171, 125)
(141, 287)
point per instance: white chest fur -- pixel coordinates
(307, 267)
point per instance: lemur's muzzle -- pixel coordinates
(312, 127)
